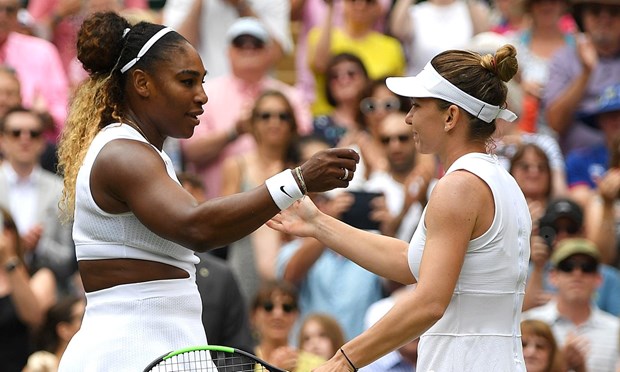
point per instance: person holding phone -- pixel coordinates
(470, 252)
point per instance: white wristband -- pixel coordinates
(284, 189)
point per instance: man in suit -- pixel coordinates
(32, 195)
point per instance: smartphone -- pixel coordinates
(359, 213)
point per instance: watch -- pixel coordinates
(11, 264)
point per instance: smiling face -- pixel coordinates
(22, 139)
(532, 173)
(346, 81)
(536, 352)
(176, 94)
(274, 317)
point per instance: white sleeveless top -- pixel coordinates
(480, 330)
(100, 235)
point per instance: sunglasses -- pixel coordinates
(247, 42)
(16, 133)
(371, 105)
(266, 116)
(9, 9)
(529, 167)
(597, 9)
(288, 308)
(586, 267)
(349, 73)
(402, 138)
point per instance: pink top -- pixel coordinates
(40, 73)
(228, 97)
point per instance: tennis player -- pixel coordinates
(469, 254)
(135, 227)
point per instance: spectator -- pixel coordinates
(202, 23)
(575, 321)
(320, 334)
(311, 13)
(62, 321)
(430, 27)
(403, 188)
(273, 126)
(43, 80)
(563, 219)
(382, 55)
(578, 75)
(274, 311)
(540, 349)
(536, 44)
(32, 195)
(24, 299)
(223, 131)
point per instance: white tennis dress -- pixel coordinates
(480, 330)
(127, 326)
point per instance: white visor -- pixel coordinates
(429, 84)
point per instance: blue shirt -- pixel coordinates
(585, 166)
(391, 362)
(336, 286)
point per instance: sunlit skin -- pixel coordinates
(176, 90)
(315, 340)
(536, 352)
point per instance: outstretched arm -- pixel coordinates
(143, 187)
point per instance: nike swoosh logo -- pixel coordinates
(284, 191)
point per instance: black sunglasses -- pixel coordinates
(266, 115)
(586, 267)
(247, 42)
(9, 9)
(402, 138)
(268, 306)
(370, 105)
(16, 133)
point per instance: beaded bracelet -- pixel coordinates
(300, 176)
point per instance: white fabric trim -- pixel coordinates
(146, 48)
(430, 84)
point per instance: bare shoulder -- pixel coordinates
(458, 195)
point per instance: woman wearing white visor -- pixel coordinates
(470, 252)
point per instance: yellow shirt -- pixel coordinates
(382, 56)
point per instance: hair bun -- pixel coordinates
(100, 41)
(504, 63)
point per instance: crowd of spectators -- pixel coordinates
(293, 301)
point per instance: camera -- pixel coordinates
(548, 233)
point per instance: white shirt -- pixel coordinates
(23, 197)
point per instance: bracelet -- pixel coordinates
(300, 176)
(348, 360)
(283, 189)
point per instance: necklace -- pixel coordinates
(136, 127)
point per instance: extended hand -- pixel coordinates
(327, 169)
(298, 219)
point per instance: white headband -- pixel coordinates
(430, 84)
(146, 48)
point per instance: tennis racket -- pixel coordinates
(210, 358)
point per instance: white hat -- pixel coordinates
(430, 84)
(247, 26)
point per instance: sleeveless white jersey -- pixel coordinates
(480, 330)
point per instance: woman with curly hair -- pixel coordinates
(135, 227)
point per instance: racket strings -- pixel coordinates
(205, 361)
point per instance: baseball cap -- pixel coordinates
(430, 84)
(247, 26)
(562, 207)
(570, 247)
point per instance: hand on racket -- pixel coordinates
(210, 358)
(298, 219)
